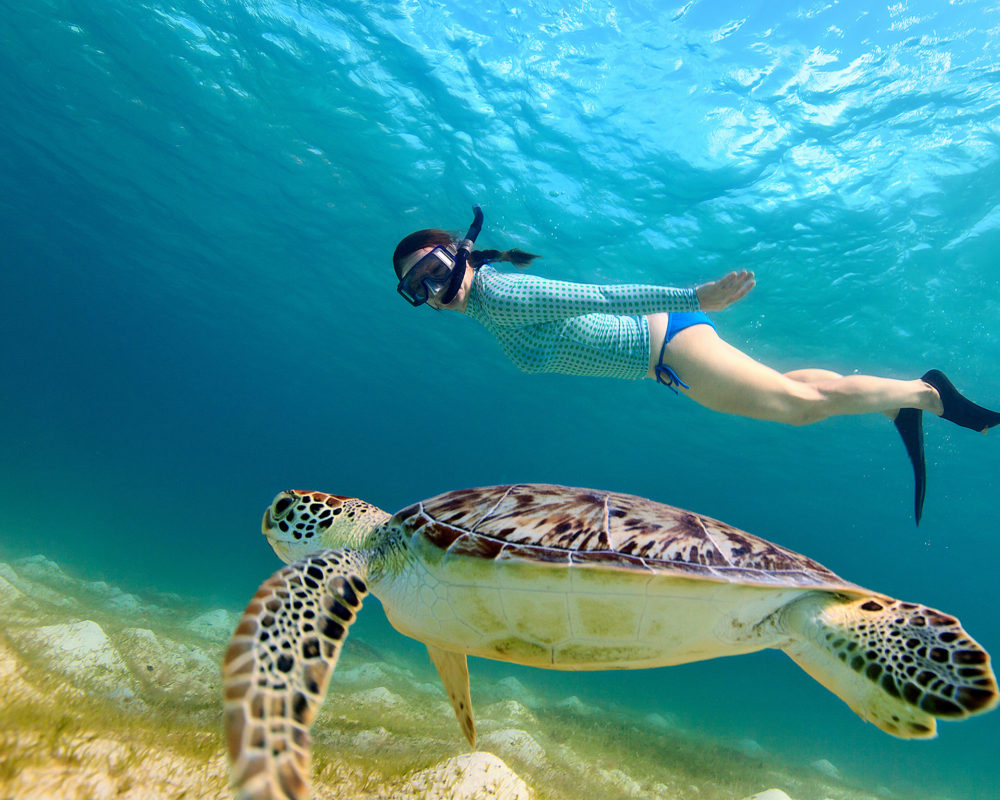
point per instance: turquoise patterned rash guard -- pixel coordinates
(574, 328)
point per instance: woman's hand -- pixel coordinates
(716, 295)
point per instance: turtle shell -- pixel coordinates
(583, 527)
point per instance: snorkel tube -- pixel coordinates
(462, 256)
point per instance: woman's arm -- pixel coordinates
(716, 295)
(512, 299)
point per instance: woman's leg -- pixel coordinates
(812, 375)
(817, 376)
(725, 379)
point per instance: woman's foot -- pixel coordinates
(909, 423)
(958, 408)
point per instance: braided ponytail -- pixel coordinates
(518, 257)
(432, 237)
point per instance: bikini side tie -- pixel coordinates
(666, 375)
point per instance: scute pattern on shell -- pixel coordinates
(560, 524)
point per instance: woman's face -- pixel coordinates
(412, 259)
(408, 263)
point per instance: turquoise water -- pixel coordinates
(197, 309)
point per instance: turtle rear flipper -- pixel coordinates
(897, 665)
(277, 669)
(454, 671)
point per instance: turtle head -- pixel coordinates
(299, 523)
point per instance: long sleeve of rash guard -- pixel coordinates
(511, 299)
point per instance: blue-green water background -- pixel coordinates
(198, 205)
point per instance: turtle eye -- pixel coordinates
(281, 505)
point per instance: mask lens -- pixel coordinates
(427, 276)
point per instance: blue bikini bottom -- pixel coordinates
(676, 322)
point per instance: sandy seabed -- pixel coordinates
(110, 695)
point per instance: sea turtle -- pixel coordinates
(572, 579)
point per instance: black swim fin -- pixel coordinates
(959, 409)
(910, 424)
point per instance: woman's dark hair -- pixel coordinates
(434, 237)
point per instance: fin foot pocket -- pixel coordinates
(958, 408)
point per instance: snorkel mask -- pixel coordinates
(444, 265)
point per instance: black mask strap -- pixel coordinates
(462, 256)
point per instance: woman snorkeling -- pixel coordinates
(634, 331)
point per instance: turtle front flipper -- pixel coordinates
(454, 671)
(897, 665)
(277, 669)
